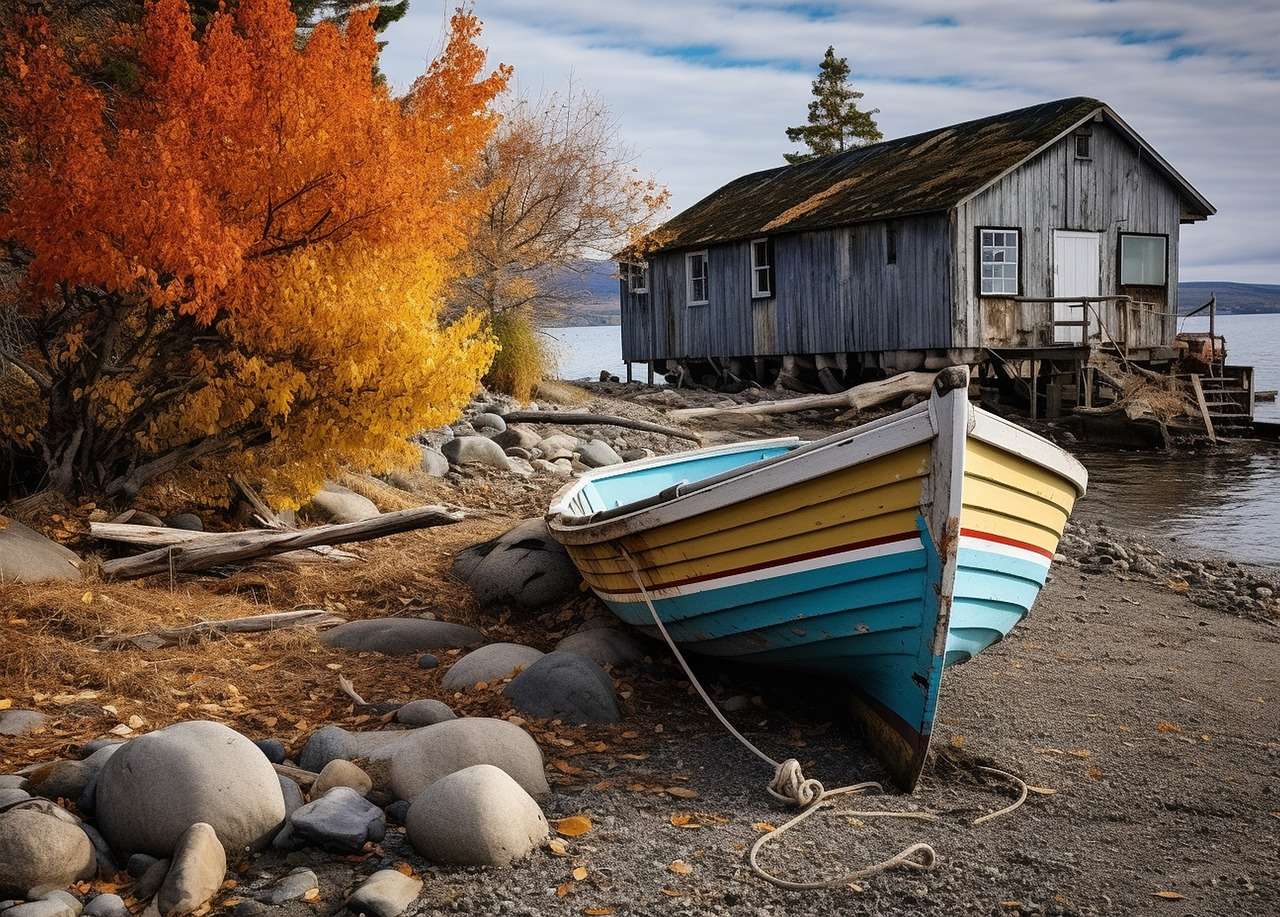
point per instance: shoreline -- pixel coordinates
(1139, 697)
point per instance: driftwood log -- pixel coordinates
(859, 398)
(172, 636)
(604, 420)
(155, 536)
(239, 547)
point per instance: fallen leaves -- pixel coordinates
(5, 703)
(573, 826)
(1168, 895)
(684, 820)
(763, 826)
(680, 868)
(597, 911)
(563, 889)
(681, 792)
(1164, 726)
(579, 873)
(558, 847)
(1041, 790)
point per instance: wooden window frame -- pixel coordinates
(890, 243)
(1087, 137)
(1120, 281)
(767, 292)
(977, 260)
(688, 277)
(638, 269)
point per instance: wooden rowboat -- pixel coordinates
(881, 555)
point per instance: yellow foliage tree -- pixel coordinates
(239, 263)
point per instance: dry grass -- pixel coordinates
(553, 391)
(57, 656)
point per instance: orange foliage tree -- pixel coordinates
(238, 263)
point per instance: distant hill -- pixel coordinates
(1233, 298)
(591, 296)
(588, 295)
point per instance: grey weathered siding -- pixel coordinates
(834, 293)
(1116, 190)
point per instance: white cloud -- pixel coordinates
(702, 89)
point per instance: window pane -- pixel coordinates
(1142, 260)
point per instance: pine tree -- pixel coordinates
(835, 122)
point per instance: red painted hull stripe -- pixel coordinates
(1012, 542)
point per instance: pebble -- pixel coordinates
(489, 421)
(291, 887)
(341, 820)
(20, 722)
(273, 749)
(340, 772)
(598, 454)
(490, 663)
(39, 852)
(42, 908)
(386, 893)
(139, 863)
(107, 905)
(198, 868)
(436, 751)
(427, 661)
(424, 712)
(151, 880)
(476, 450)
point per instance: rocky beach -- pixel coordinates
(469, 731)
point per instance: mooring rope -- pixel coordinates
(790, 785)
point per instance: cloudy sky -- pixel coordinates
(703, 89)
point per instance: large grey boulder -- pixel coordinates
(604, 646)
(20, 722)
(477, 816)
(195, 874)
(340, 820)
(341, 504)
(475, 450)
(433, 462)
(160, 784)
(400, 636)
(522, 568)
(39, 853)
(598, 454)
(488, 664)
(436, 751)
(565, 686)
(26, 556)
(518, 436)
(386, 893)
(424, 712)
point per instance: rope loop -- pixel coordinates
(790, 785)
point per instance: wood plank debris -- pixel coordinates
(859, 398)
(570, 418)
(241, 547)
(279, 620)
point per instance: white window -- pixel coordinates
(1143, 259)
(695, 272)
(999, 262)
(761, 268)
(637, 273)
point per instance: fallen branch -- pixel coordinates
(309, 617)
(349, 689)
(303, 778)
(238, 547)
(604, 420)
(264, 513)
(161, 536)
(859, 398)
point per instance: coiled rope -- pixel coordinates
(791, 786)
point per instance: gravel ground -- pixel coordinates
(1154, 721)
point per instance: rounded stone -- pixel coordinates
(488, 664)
(565, 686)
(477, 816)
(475, 450)
(39, 853)
(523, 568)
(340, 504)
(489, 421)
(160, 784)
(340, 772)
(26, 556)
(433, 752)
(196, 872)
(424, 712)
(400, 636)
(604, 646)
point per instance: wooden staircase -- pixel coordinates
(1228, 402)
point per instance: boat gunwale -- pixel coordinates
(641, 515)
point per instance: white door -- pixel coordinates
(1077, 271)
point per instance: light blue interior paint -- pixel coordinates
(627, 486)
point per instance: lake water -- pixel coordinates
(1213, 501)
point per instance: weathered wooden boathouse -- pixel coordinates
(1021, 243)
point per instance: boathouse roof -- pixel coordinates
(924, 173)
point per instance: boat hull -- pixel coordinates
(916, 549)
